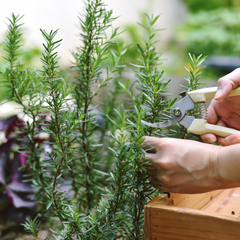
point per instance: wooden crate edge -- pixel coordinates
(220, 227)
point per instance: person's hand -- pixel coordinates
(182, 166)
(224, 110)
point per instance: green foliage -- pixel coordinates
(32, 226)
(195, 72)
(151, 84)
(198, 5)
(13, 37)
(214, 32)
(93, 193)
(132, 34)
(193, 82)
(11, 49)
(25, 89)
(60, 127)
(89, 81)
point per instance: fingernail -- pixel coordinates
(211, 140)
(235, 140)
(218, 93)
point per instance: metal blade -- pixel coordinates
(177, 113)
(187, 121)
(159, 124)
(184, 104)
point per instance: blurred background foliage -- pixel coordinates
(30, 57)
(199, 5)
(213, 32)
(211, 28)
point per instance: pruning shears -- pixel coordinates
(192, 124)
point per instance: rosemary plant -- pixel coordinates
(60, 127)
(195, 71)
(26, 89)
(88, 164)
(149, 104)
(32, 226)
(193, 82)
(45, 101)
(68, 168)
(120, 213)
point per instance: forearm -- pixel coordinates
(228, 164)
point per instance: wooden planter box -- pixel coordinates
(213, 215)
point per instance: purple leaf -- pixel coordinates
(20, 187)
(18, 175)
(18, 200)
(5, 150)
(17, 191)
(22, 158)
(4, 124)
(3, 161)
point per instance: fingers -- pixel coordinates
(152, 171)
(209, 138)
(150, 141)
(154, 161)
(227, 141)
(230, 140)
(159, 185)
(223, 91)
(150, 157)
(148, 144)
(155, 182)
(212, 116)
(227, 83)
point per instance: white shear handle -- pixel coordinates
(200, 126)
(203, 94)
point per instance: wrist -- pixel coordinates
(227, 166)
(216, 179)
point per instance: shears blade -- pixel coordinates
(177, 114)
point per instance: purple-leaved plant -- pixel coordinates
(16, 191)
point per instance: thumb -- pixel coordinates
(227, 83)
(224, 89)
